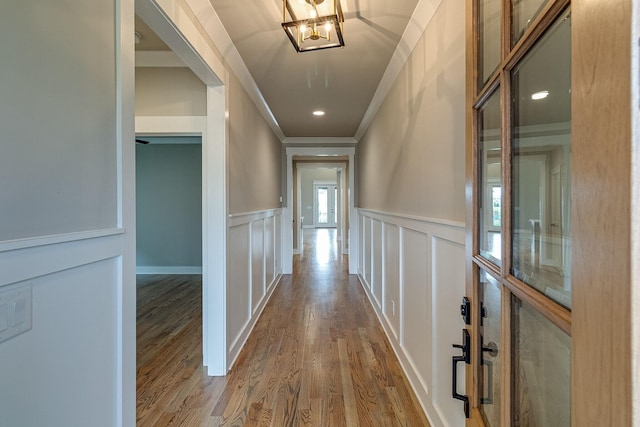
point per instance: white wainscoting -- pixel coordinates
(413, 271)
(254, 268)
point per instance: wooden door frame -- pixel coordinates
(605, 240)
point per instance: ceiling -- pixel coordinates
(341, 81)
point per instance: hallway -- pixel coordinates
(317, 356)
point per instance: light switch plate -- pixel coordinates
(16, 316)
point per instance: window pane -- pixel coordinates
(323, 204)
(523, 14)
(541, 169)
(490, 187)
(490, 363)
(488, 39)
(541, 370)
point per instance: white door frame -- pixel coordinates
(287, 211)
(214, 131)
(316, 184)
(340, 168)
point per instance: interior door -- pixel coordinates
(519, 283)
(325, 210)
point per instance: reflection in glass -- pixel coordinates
(488, 39)
(490, 187)
(523, 14)
(541, 369)
(541, 199)
(491, 360)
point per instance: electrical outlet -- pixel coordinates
(393, 308)
(15, 311)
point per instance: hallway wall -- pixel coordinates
(254, 156)
(411, 196)
(67, 232)
(416, 142)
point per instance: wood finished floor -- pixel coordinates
(316, 357)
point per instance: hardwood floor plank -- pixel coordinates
(316, 357)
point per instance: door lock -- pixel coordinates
(465, 310)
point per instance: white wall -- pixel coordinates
(68, 218)
(253, 271)
(412, 269)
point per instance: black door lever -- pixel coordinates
(466, 358)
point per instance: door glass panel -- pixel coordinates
(541, 369)
(335, 205)
(488, 39)
(523, 14)
(323, 205)
(490, 182)
(541, 167)
(491, 348)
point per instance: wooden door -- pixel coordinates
(549, 288)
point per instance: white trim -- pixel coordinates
(247, 217)
(319, 141)
(168, 270)
(158, 59)
(214, 243)
(11, 245)
(175, 27)
(423, 219)
(421, 17)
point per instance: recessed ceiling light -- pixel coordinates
(540, 95)
(318, 113)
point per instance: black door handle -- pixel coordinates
(466, 358)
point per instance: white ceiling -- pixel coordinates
(340, 81)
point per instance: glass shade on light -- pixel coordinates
(313, 24)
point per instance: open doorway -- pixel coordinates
(320, 200)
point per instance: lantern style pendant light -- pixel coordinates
(313, 24)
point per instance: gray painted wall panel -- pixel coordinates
(66, 174)
(169, 205)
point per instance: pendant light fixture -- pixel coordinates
(313, 24)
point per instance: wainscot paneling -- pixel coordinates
(412, 269)
(254, 268)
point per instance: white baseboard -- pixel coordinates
(168, 270)
(308, 226)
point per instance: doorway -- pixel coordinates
(325, 205)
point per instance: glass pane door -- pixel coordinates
(325, 205)
(520, 144)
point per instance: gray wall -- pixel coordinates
(169, 92)
(66, 173)
(66, 112)
(169, 205)
(255, 156)
(411, 159)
